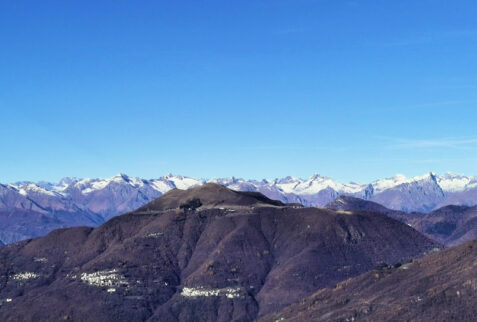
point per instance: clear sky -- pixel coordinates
(354, 90)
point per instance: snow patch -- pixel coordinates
(388, 183)
(455, 183)
(315, 184)
(31, 188)
(183, 183)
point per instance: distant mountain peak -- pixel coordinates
(316, 176)
(399, 177)
(428, 176)
(120, 176)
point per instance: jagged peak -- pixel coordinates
(287, 179)
(67, 180)
(317, 176)
(121, 176)
(427, 176)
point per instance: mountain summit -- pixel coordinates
(208, 195)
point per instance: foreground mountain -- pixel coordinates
(449, 225)
(73, 202)
(205, 254)
(438, 287)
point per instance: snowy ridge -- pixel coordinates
(455, 183)
(43, 206)
(124, 193)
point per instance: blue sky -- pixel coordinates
(355, 90)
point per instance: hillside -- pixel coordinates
(449, 225)
(205, 254)
(438, 287)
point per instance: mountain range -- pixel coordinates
(208, 253)
(31, 209)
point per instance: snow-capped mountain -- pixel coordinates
(417, 194)
(74, 201)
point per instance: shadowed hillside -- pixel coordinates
(438, 287)
(449, 225)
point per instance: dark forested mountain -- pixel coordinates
(348, 203)
(205, 254)
(438, 287)
(449, 225)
